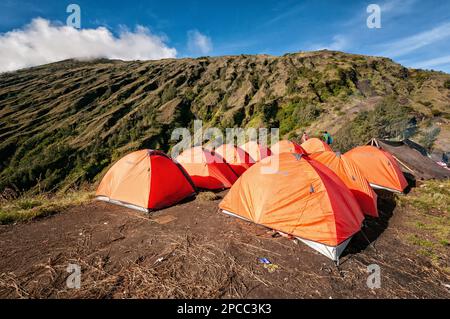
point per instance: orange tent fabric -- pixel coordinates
(314, 145)
(145, 180)
(256, 151)
(206, 169)
(236, 157)
(285, 146)
(352, 177)
(379, 168)
(304, 199)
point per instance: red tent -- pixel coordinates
(315, 145)
(207, 169)
(145, 180)
(285, 146)
(236, 157)
(256, 151)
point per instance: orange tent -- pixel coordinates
(256, 151)
(285, 146)
(206, 169)
(379, 168)
(236, 157)
(145, 180)
(304, 199)
(352, 177)
(314, 145)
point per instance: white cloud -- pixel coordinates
(417, 41)
(41, 42)
(339, 43)
(428, 64)
(199, 43)
(397, 6)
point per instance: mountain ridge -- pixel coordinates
(63, 123)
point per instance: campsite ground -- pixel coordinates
(193, 251)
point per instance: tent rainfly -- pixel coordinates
(304, 199)
(207, 169)
(379, 168)
(145, 180)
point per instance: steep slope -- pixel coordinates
(63, 123)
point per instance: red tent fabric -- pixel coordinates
(236, 157)
(286, 146)
(315, 145)
(256, 151)
(207, 169)
(140, 180)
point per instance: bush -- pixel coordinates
(168, 94)
(297, 114)
(436, 112)
(447, 84)
(389, 119)
(428, 140)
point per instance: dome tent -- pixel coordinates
(256, 151)
(352, 177)
(315, 145)
(379, 168)
(286, 146)
(304, 199)
(207, 169)
(145, 180)
(236, 157)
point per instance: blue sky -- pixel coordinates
(414, 33)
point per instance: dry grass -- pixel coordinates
(27, 206)
(207, 196)
(189, 269)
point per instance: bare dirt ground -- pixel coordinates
(193, 251)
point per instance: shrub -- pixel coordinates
(436, 112)
(428, 139)
(389, 119)
(168, 94)
(447, 84)
(297, 114)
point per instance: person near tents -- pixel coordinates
(327, 138)
(305, 137)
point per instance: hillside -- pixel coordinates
(62, 124)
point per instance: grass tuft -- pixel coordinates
(207, 196)
(28, 207)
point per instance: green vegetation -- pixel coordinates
(389, 119)
(431, 224)
(295, 115)
(65, 123)
(447, 84)
(431, 195)
(28, 206)
(429, 138)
